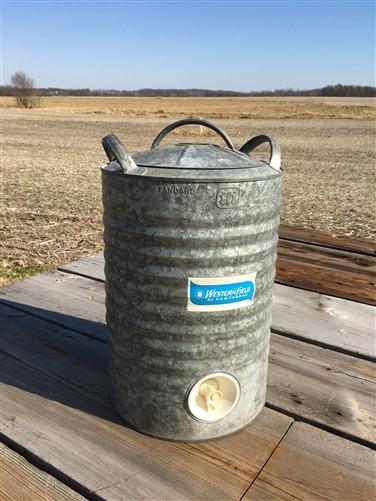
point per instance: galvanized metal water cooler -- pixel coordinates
(190, 248)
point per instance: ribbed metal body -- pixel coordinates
(158, 233)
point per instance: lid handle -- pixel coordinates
(191, 121)
(115, 150)
(275, 150)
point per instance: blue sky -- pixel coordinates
(239, 45)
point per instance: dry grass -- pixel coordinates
(51, 209)
(243, 108)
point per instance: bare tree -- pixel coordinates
(23, 88)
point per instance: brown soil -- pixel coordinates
(213, 107)
(51, 195)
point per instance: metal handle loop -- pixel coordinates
(115, 150)
(191, 121)
(275, 150)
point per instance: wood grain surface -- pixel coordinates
(327, 263)
(322, 385)
(261, 490)
(335, 282)
(55, 401)
(75, 301)
(55, 394)
(328, 239)
(21, 481)
(317, 261)
(89, 266)
(311, 464)
(56, 404)
(334, 322)
(351, 262)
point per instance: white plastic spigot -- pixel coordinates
(213, 397)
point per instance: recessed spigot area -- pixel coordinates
(213, 397)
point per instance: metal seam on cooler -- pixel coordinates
(154, 307)
(188, 253)
(164, 362)
(180, 333)
(166, 229)
(162, 292)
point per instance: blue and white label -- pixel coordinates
(221, 293)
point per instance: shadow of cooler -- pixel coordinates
(190, 235)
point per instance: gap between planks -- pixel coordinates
(266, 462)
(322, 426)
(293, 477)
(337, 283)
(310, 464)
(327, 257)
(326, 239)
(74, 427)
(302, 379)
(336, 324)
(22, 480)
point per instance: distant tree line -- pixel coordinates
(338, 90)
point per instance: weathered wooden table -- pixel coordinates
(314, 440)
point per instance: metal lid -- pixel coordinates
(194, 162)
(195, 156)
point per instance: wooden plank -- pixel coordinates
(339, 283)
(327, 263)
(21, 481)
(323, 386)
(55, 402)
(327, 239)
(318, 384)
(324, 257)
(310, 463)
(327, 271)
(78, 303)
(311, 260)
(328, 320)
(263, 491)
(93, 266)
(89, 266)
(68, 300)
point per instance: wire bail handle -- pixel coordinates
(275, 150)
(191, 121)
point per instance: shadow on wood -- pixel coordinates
(55, 402)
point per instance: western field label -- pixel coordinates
(221, 293)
